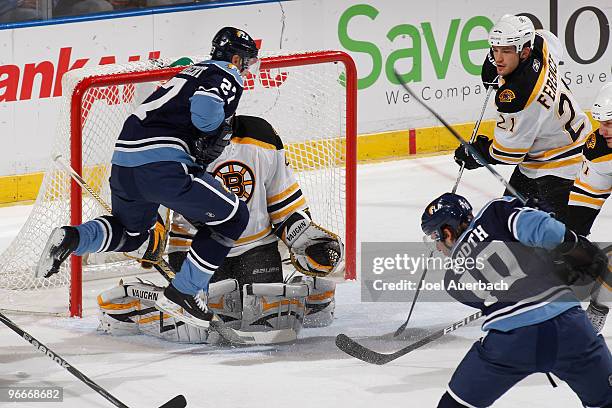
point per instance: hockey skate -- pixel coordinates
(597, 314)
(61, 243)
(185, 308)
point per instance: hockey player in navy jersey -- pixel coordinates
(540, 127)
(160, 157)
(534, 322)
(591, 188)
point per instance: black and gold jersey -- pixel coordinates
(592, 186)
(540, 126)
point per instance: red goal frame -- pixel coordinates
(301, 59)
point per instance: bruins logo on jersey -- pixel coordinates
(591, 141)
(236, 177)
(507, 95)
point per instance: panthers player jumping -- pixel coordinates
(534, 324)
(540, 126)
(160, 158)
(591, 189)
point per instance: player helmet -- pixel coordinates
(447, 210)
(512, 30)
(602, 107)
(230, 41)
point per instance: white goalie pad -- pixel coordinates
(129, 309)
(272, 307)
(320, 303)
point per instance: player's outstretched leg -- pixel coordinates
(62, 242)
(220, 218)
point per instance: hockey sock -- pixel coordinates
(203, 259)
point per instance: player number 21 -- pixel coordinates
(506, 123)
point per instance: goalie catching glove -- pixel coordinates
(313, 250)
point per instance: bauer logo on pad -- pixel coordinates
(506, 96)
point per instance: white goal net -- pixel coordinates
(303, 95)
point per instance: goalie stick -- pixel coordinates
(229, 334)
(475, 130)
(177, 402)
(352, 348)
(469, 147)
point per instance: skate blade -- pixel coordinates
(167, 306)
(45, 263)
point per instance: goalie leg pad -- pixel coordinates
(129, 309)
(320, 303)
(118, 314)
(273, 306)
(224, 300)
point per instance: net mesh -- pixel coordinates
(305, 104)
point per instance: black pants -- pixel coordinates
(553, 191)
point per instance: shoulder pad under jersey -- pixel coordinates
(257, 128)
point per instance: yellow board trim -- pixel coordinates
(392, 145)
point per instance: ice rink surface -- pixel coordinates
(143, 371)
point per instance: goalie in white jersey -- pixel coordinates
(591, 188)
(255, 168)
(540, 127)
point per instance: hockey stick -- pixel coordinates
(401, 329)
(176, 402)
(475, 131)
(469, 147)
(229, 334)
(160, 265)
(352, 348)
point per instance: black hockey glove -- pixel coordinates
(481, 144)
(577, 258)
(533, 202)
(208, 146)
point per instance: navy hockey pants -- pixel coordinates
(137, 192)
(566, 346)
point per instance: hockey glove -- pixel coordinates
(314, 251)
(209, 146)
(576, 258)
(534, 202)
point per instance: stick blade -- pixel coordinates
(354, 349)
(400, 329)
(177, 402)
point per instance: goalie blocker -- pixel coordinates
(128, 309)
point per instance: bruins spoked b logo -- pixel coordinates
(237, 178)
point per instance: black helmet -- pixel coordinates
(230, 41)
(447, 210)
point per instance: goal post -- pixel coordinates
(310, 98)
